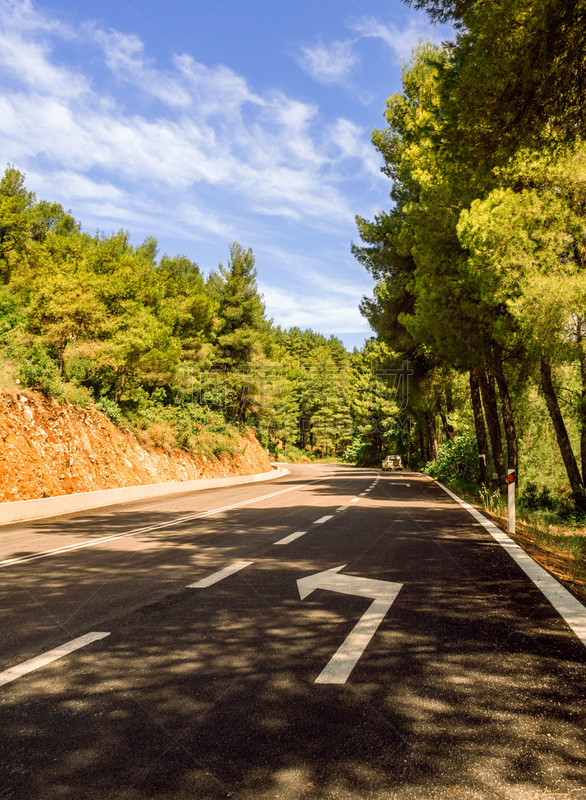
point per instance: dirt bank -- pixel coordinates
(48, 450)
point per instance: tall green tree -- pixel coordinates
(516, 74)
(423, 301)
(240, 332)
(527, 255)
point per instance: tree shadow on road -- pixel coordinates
(472, 686)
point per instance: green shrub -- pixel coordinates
(10, 313)
(293, 455)
(363, 453)
(533, 498)
(110, 409)
(563, 506)
(71, 393)
(457, 458)
(37, 370)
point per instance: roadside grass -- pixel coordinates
(557, 545)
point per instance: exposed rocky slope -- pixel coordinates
(48, 450)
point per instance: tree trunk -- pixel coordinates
(494, 427)
(421, 443)
(559, 427)
(431, 437)
(449, 399)
(448, 429)
(509, 422)
(121, 385)
(479, 424)
(582, 357)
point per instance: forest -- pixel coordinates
(182, 360)
(477, 362)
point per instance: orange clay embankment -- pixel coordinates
(47, 450)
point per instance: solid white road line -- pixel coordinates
(51, 655)
(104, 539)
(570, 609)
(216, 577)
(291, 537)
(323, 519)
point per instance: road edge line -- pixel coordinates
(15, 511)
(568, 607)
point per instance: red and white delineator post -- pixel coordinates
(512, 492)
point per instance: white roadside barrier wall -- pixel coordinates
(26, 510)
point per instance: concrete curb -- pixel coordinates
(27, 510)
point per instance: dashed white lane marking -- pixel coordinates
(342, 508)
(216, 577)
(323, 519)
(570, 609)
(291, 537)
(361, 494)
(136, 531)
(51, 655)
(355, 500)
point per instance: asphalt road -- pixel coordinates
(421, 664)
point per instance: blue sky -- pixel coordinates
(203, 123)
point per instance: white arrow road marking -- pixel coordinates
(383, 593)
(51, 655)
(216, 577)
(291, 537)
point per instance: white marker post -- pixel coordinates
(512, 488)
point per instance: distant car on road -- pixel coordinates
(393, 462)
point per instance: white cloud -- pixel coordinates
(24, 16)
(270, 150)
(328, 313)
(30, 63)
(309, 295)
(223, 135)
(401, 41)
(331, 64)
(354, 143)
